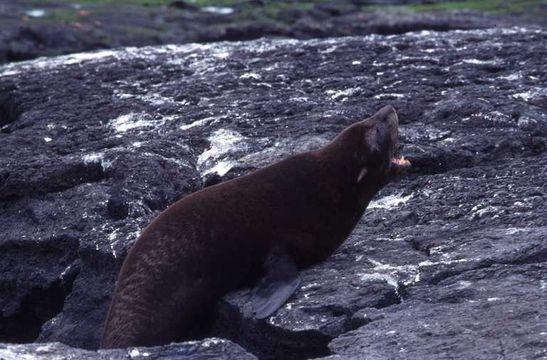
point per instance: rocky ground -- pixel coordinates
(32, 28)
(207, 349)
(450, 262)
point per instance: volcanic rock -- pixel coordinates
(206, 349)
(95, 145)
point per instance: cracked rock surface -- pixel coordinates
(206, 349)
(448, 262)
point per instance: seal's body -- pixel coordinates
(218, 239)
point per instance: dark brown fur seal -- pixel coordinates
(286, 216)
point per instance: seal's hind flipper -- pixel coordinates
(276, 287)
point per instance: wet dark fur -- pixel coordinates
(216, 240)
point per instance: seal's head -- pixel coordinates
(374, 143)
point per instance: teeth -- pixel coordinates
(401, 161)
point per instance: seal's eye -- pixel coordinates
(381, 138)
(377, 143)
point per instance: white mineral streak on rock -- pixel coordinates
(206, 342)
(9, 354)
(330, 50)
(538, 92)
(130, 121)
(65, 271)
(92, 157)
(223, 142)
(512, 77)
(122, 95)
(344, 94)
(112, 237)
(219, 10)
(44, 348)
(97, 157)
(35, 12)
(135, 353)
(18, 352)
(462, 284)
(382, 277)
(389, 202)
(389, 96)
(480, 62)
(251, 75)
(155, 99)
(310, 286)
(81, 57)
(526, 96)
(44, 63)
(174, 160)
(222, 167)
(395, 275)
(483, 209)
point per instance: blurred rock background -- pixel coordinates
(32, 28)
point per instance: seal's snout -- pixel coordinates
(389, 116)
(381, 136)
(388, 119)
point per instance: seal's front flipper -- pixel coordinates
(279, 283)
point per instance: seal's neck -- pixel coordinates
(341, 159)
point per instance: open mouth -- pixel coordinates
(400, 162)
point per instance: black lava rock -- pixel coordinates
(95, 145)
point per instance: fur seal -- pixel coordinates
(258, 228)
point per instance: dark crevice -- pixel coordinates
(423, 248)
(356, 319)
(362, 317)
(402, 28)
(526, 257)
(448, 273)
(299, 345)
(390, 298)
(39, 306)
(266, 341)
(42, 180)
(533, 257)
(10, 111)
(21, 320)
(258, 30)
